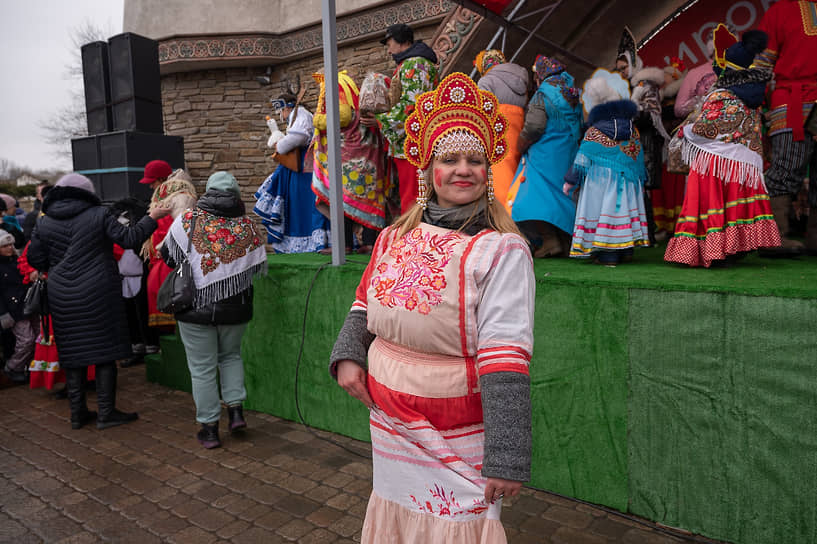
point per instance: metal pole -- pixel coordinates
(330, 73)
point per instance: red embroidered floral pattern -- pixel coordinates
(416, 277)
(446, 505)
(725, 118)
(221, 240)
(631, 148)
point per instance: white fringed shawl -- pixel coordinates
(225, 254)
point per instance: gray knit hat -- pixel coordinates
(223, 181)
(77, 181)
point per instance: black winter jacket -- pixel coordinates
(73, 241)
(229, 311)
(12, 290)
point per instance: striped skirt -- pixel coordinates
(427, 450)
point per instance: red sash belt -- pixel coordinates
(794, 103)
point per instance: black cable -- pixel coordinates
(298, 366)
(608, 510)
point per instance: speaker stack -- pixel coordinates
(123, 103)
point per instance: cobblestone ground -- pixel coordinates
(151, 481)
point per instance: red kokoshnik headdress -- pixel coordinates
(457, 105)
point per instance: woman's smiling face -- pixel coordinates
(459, 178)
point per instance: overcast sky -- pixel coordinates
(35, 49)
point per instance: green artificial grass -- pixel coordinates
(682, 395)
(751, 276)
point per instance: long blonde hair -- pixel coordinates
(497, 215)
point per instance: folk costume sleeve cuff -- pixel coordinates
(507, 416)
(353, 342)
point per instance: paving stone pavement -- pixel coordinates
(150, 481)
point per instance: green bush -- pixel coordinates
(18, 192)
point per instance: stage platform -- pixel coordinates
(686, 396)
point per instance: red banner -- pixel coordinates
(685, 36)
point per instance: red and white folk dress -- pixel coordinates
(726, 207)
(446, 309)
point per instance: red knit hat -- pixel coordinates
(155, 170)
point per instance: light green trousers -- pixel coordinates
(211, 347)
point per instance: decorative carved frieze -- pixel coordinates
(276, 48)
(457, 29)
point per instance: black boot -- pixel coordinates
(236, 415)
(208, 435)
(109, 416)
(80, 414)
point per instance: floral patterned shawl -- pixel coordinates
(225, 254)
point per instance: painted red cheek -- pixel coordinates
(438, 177)
(483, 173)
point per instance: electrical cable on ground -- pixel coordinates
(298, 367)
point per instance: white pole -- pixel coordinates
(330, 72)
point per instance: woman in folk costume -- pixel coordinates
(363, 164)
(646, 84)
(178, 193)
(610, 216)
(445, 313)
(726, 209)
(286, 203)
(667, 200)
(226, 252)
(509, 83)
(548, 142)
(697, 83)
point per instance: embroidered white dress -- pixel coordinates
(446, 308)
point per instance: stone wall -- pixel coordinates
(221, 113)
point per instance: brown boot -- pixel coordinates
(551, 243)
(781, 205)
(811, 232)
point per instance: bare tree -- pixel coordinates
(10, 169)
(68, 121)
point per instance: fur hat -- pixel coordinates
(6, 238)
(649, 74)
(77, 181)
(604, 87)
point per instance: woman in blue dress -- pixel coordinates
(549, 141)
(286, 203)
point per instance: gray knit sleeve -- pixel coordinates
(536, 119)
(507, 415)
(353, 341)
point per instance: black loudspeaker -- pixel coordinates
(136, 87)
(99, 120)
(113, 186)
(136, 149)
(85, 152)
(97, 87)
(138, 114)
